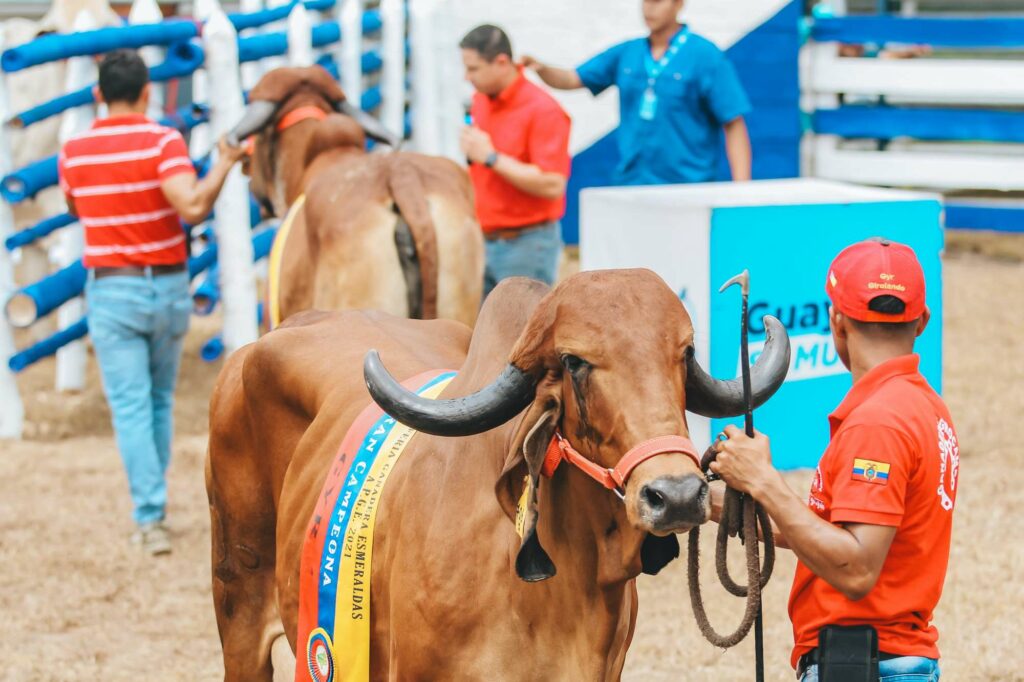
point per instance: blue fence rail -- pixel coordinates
(182, 59)
(921, 123)
(939, 32)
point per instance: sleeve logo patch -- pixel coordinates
(870, 471)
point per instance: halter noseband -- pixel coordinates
(615, 479)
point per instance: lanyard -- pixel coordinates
(649, 100)
(654, 68)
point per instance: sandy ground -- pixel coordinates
(79, 603)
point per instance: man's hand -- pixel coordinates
(528, 62)
(229, 153)
(475, 144)
(744, 463)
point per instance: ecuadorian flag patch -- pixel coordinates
(870, 471)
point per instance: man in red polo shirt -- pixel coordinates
(873, 538)
(130, 181)
(518, 150)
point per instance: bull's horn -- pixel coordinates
(256, 117)
(491, 406)
(712, 397)
(373, 128)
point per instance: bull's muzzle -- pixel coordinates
(672, 504)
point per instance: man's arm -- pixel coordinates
(737, 149)
(526, 177)
(192, 198)
(848, 557)
(559, 79)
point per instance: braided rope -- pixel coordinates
(741, 516)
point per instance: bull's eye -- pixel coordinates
(573, 363)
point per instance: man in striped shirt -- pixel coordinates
(130, 182)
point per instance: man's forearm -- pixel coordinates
(560, 79)
(529, 178)
(830, 552)
(737, 149)
(209, 187)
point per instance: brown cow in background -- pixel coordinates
(395, 231)
(606, 359)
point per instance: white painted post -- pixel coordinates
(231, 225)
(349, 52)
(199, 138)
(426, 128)
(251, 70)
(271, 63)
(454, 90)
(148, 12)
(12, 414)
(72, 358)
(392, 81)
(300, 37)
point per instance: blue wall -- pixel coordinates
(787, 250)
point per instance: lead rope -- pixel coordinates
(741, 516)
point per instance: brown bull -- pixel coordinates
(394, 232)
(606, 359)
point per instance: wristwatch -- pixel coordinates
(491, 159)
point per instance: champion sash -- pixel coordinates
(274, 262)
(334, 574)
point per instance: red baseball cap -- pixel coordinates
(873, 268)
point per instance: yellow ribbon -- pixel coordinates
(274, 264)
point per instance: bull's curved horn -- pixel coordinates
(712, 397)
(491, 406)
(256, 117)
(373, 128)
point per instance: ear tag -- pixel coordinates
(521, 508)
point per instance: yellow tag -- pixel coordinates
(521, 508)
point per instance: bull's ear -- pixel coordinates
(518, 485)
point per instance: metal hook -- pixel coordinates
(743, 279)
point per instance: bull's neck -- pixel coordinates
(596, 554)
(592, 536)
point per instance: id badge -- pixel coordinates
(648, 105)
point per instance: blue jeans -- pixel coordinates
(137, 326)
(533, 254)
(902, 669)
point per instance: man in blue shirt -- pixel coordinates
(677, 90)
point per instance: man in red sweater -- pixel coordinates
(130, 182)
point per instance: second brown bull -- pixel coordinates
(391, 231)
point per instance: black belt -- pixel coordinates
(513, 232)
(138, 270)
(811, 658)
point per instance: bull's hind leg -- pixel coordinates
(242, 524)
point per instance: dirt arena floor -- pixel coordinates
(78, 603)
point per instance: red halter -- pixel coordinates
(299, 115)
(615, 479)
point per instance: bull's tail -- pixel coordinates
(409, 194)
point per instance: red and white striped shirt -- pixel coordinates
(113, 172)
